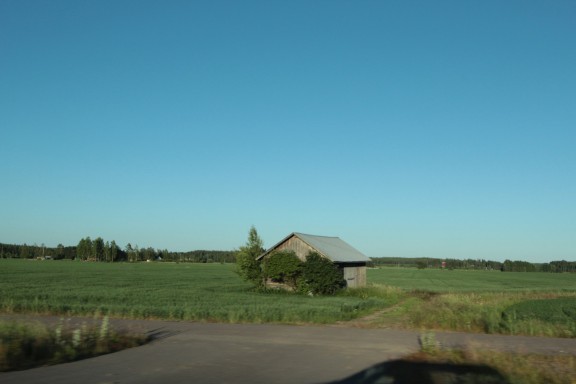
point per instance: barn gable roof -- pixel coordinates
(332, 248)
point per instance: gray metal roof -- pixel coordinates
(333, 248)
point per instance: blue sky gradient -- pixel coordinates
(407, 128)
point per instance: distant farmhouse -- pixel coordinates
(351, 261)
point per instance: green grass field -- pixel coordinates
(207, 292)
(423, 299)
(437, 280)
(482, 301)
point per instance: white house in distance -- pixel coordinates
(352, 262)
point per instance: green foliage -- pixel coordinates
(247, 266)
(98, 249)
(518, 266)
(316, 275)
(320, 276)
(283, 267)
(560, 310)
(199, 256)
(477, 264)
(548, 317)
(24, 346)
(112, 253)
(430, 262)
(84, 248)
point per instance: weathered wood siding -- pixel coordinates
(355, 275)
(300, 248)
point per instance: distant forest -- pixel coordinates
(477, 264)
(108, 251)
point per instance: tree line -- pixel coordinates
(99, 250)
(25, 251)
(108, 251)
(475, 264)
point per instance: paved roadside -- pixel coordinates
(252, 353)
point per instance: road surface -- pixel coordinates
(208, 353)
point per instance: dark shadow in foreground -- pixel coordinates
(408, 372)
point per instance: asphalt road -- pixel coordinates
(250, 353)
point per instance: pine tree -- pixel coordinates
(248, 267)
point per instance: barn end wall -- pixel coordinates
(300, 248)
(355, 275)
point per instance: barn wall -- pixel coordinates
(300, 248)
(355, 275)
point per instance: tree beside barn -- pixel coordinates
(248, 266)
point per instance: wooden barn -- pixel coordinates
(350, 260)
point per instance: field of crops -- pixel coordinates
(208, 292)
(438, 280)
(478, 301)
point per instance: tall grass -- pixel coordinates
(477, 312)
(27, 345)
(475, 301)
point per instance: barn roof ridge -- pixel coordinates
(307, 234)
(331, 247)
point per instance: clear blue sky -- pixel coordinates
(407, 128)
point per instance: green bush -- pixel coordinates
(283, 267)
(316, 275)
(248, 267)
(320, 276)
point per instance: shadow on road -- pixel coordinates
(408, 372)
(160, 333)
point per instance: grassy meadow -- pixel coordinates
(529, 303)
(200, 292)
(474, 301)
(442, 281)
